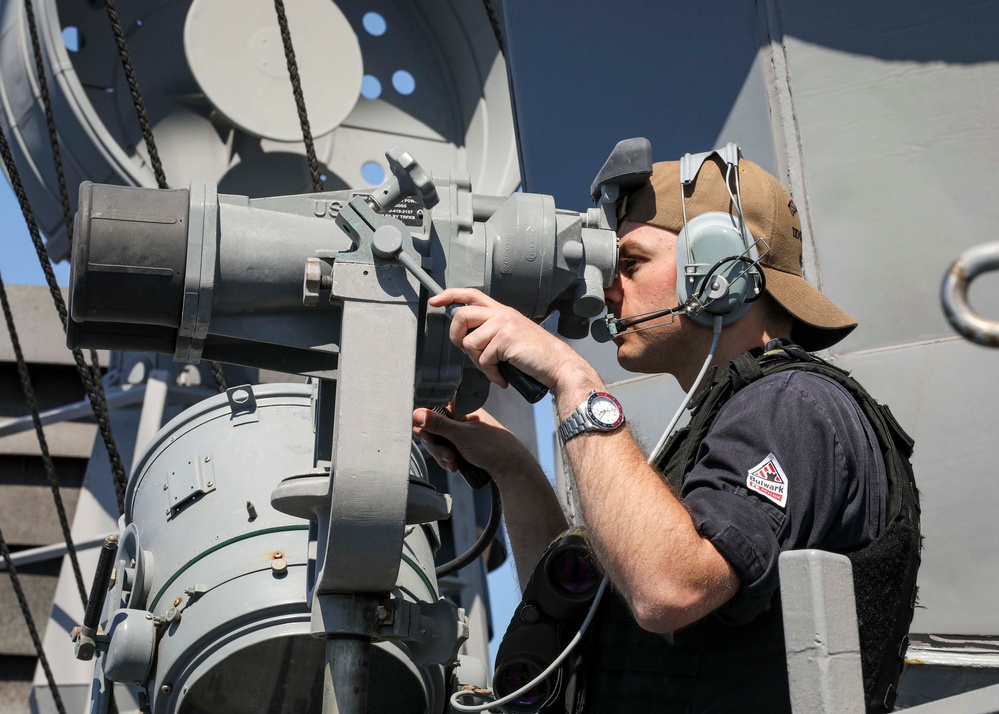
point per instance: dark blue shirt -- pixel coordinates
(790, 462)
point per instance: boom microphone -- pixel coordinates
(605, 329)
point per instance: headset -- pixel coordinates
(717, 259)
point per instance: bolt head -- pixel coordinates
(313, 282)
(166, 689)
(386, 242)
(85, 649)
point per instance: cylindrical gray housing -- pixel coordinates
(239, 581)
(130, 254)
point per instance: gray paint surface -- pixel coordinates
(896, 117)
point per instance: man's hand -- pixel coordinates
(490, 332)
(532, 512)
(477, 436)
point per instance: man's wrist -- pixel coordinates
(575, 388)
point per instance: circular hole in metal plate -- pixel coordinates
(374, 24)
(72, 38)
(371, 88)
(372, 172)
(404, 82)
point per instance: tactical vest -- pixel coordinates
(712, 667)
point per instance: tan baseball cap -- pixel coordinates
(770, 214)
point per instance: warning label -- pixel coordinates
(767, 478)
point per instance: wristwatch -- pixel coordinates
(600, 412)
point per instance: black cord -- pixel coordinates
(487, 536)
(737, 259)
(22, 601)
(296, 89)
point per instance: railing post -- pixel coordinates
(820, 633)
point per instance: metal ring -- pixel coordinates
(954, 294)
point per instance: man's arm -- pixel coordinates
(643, 535)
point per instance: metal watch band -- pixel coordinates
(574, 424)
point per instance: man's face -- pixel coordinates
(646, 281)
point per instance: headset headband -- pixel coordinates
(691, 164)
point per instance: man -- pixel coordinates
(778, 457)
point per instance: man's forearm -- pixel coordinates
(534, 517)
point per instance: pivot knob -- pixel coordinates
(409, 180)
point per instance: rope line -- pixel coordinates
(43, 86)
(219, 376)
(296, 89)
(92, 386)
(57, 160)
(22, 601)
(495, 22)
(133, 88)
(22, 366)
(50, 472)
(146, 127)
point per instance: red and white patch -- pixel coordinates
(767, 479)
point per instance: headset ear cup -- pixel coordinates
(711, 245)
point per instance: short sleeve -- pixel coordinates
(789, 462)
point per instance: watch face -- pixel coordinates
(605, 410)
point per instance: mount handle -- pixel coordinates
(475, 477)
(530, 389)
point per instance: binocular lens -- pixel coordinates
(573, 572)
(516, 675)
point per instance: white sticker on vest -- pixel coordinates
(767, 478)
